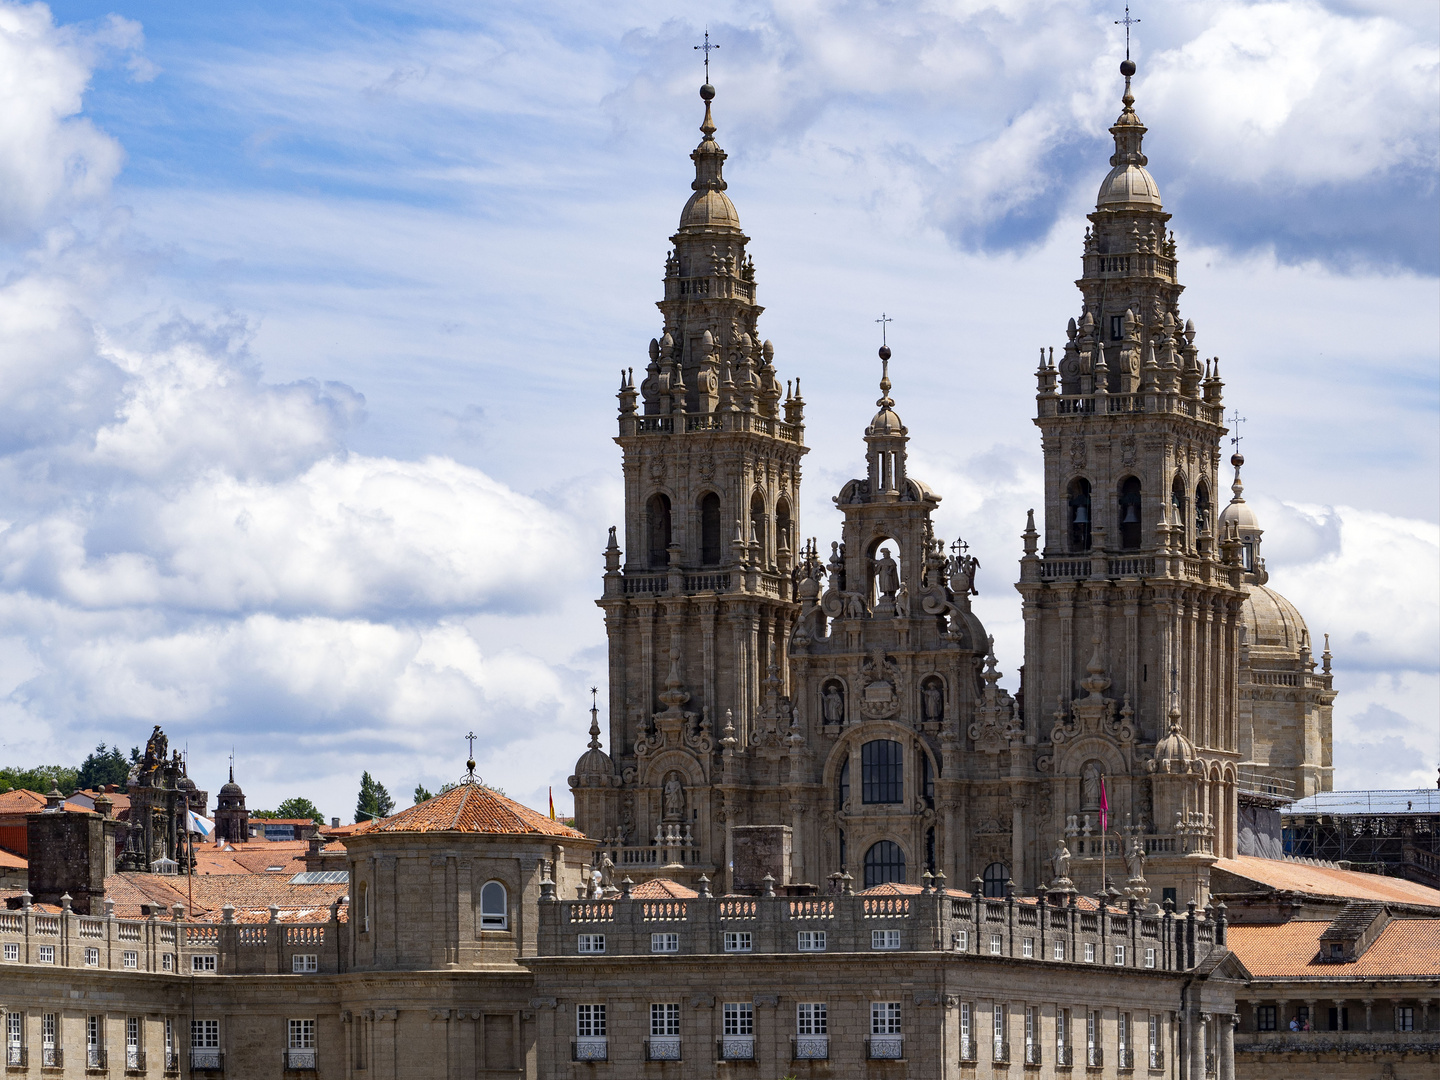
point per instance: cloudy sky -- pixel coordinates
(311, 319)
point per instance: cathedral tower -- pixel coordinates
(1132, 597)
(699, 603)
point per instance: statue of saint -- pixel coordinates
(674, 797)
(887, 574)
(932, 701)
(1090, 785)
(1135, 860)
(832, 705)
(1060, 861)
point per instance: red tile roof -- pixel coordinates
(12, 862)
(473, 808)
(250, 894)
(21, 801)
(662, 889)
(1326, 881)
(1409, 947)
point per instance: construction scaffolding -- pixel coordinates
(1395, 833)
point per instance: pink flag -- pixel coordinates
(1104, 808)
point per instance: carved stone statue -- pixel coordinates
(674, 798)
(832, 705)
(1060, 861)
(1135, 860)
(607, 872)
(1090, 785)
(932, 702)
(887, 574)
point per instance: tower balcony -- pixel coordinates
(680, 423)
(659, 583)
(1154, 403)
(1175, 565)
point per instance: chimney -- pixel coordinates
(70, 852)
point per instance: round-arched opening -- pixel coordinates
(884, 863)
(1130, 518)
(932, 700)
(884, 569)
(1202, 509)
(657, 529)
(494, 907)
(995, 877)
(1078, 506)
(784, 543)
(1178, 501)
(710, 535)
(757, 525)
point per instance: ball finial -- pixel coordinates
(884, 352)
(1237, 460)
(1127, 68)
(707, 92)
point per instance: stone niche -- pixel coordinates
(760, 850)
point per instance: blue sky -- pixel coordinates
(311, 318)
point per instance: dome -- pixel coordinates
(1128, 186)
(710, 207)
(472, 808)
(1271, 621)
(595, 763)
(886, 422)
(231, 788)
(1238, 511)
(1173, 753)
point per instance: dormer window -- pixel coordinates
(1337, 951)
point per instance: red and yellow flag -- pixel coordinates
(552, 804)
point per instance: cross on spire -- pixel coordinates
(1126, 22)
(706, 48)
(882, 320)
(1235, 420)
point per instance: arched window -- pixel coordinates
(1202, 509)
(657, 513)
(927, 779)
(996, 874)
(884, 862)
(1130, 513)
(710, 547)
(1079, 514)
(843, 792)
(1177, 500)
(782, 527)
(882, 774)
(494, 907)
(757, 524)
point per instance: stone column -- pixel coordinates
(1282, 1022)
(387, 1050)
(1310, 1014)
(1225, 1051)
(1340, 1024)
(1197, 1044)
(1369, 1013)
(1424, 1014)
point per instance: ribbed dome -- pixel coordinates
(1128, 187)
(595, 762)
(1174, 752)
(1271, 621)
(886, 422)
(1239, 512)
(712, 208)
(231, 788)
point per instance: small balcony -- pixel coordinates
(134, 1059)
(590, 1048)
(1094, 1057)
(52, 1057)
(810, 1047)
(17, 1057)
(300, 1058)
(1033, 1056)
(1157, 1057)
(662, 1048)
(735, 1048)
(207, 1059)
(1065, 1057)
(969, 1050)
(95, 1059)
(172, 1062)
(1125, 1058)
(885, 1047)
(1209, 1064)
(1001, 1051)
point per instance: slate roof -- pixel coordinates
(473, 808)
(1326, 881)
(1406, 947)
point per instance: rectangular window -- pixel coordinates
(1117, 322)
(92, 1032)
(737, 941)
(1059, 951)
(302, 1034)
(997, 1020)
(811, 1018)
(131, 958)
(1122, 1033)
(664, 1019)
(169, 1036)
(205, 1034)
(882, 772)
(92, 957)
(739, 1018)
(1265, 1018)
(1027, 948)
(1031, 1028)
(591, 943)
(885, 1018)
(1092, 1030)
(132, 1032)
(995, 944)
(884, 939)
(810, 940)
(590, 1021)
(12, 952)
(14, 1029)
(167, 962)
(1062, 1031)
(1404, 1018)
(962, 940)
(1154, 1037)
(965, 1033)
(49, 1029)
(664, 942)
(1150, 958)
(1089, 952)
(303, 963)
(1120, 955)
(202, 963)
(47, 954)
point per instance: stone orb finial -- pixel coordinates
(707, 92)
(1127, 68)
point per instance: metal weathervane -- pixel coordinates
(882, 320)
(1235, 420)
(706, 48)
(1126, 22)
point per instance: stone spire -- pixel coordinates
(885, 439)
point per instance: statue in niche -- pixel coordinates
(674, 798)
(1090, 775)
(887, 574)
(932, 701)
(832, 704)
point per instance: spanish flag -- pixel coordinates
(552, 804)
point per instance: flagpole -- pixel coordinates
(1104, 827)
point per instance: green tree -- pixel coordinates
(300, 808)
(374, 800)
(105, 765)
(41, 778)
(422, 794)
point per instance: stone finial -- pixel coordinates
(65, 902)
(704, 890)
(626, 885)
(227, 913)
(26, 900)
(109, 907)
(769, 882)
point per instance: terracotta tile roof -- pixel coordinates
(473, 808)
(1289, 950)
(21, 801)
(250, 894)
(661, 889)
(254, 857)
(12, 862)
(1325, 881)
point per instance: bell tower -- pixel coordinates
(1131, 595)
(699, 602)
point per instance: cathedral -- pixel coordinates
(830, 714)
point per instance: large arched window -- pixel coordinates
(843, 791)
(657, 526)
(783, 540)
(1130, 513)
(1177, 501)
(884, 862)
(494, 907)
(757, 524)
(996, 875)
(710, 545)
(1079, 514)
(1202, 509)
(882, 773)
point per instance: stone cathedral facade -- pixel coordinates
(830, 714)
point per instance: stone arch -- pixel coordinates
(710, 510)
(659, 530)
(1130, 516)
(1078, 514)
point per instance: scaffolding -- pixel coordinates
(1395, 833)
